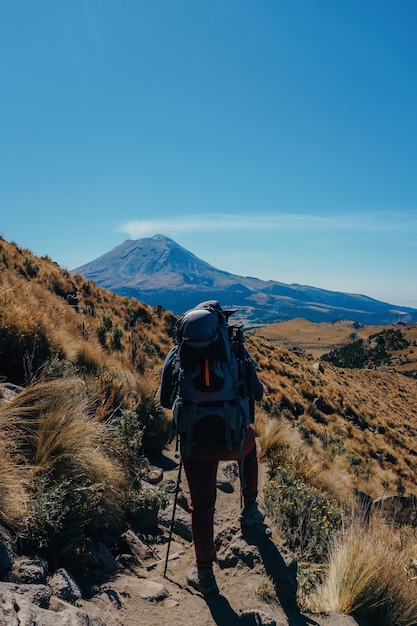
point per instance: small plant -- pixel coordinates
(57, 367)
(60, 518)
(143, 504)
(149, 347)
(157, 429)
(306, 516)
(4, 257)
(116, 338)
(106, 321)
(266, 590)
(102, 335)
(30, 267)
(130, 433)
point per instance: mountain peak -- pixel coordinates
(161, 272)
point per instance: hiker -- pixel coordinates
(213, 408)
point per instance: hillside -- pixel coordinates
(356, 426)
(102, 331)
(159, 271)
(322, 338)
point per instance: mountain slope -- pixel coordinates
(160, 272)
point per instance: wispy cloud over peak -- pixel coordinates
(279, 223)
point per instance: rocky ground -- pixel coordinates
(249, 564)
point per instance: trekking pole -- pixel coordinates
(173, 515)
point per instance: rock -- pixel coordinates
(319, 367)
(364, 502)
(225, 485)
(182, 522)
(109, 597)
(109, 533)
(40, 595)
(100, 558)
(139, 550)
(154, 592)
(183, 501)
(8, 391)
(27, 570)
(232, 550)
(170, 485)
(126, 561)
(7, 552)
(230, 470)
(65, 586)
(155, 475)
(8, 610)
(70, 616)
(170, 603)
(257, 618)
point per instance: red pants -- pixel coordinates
(201, 471)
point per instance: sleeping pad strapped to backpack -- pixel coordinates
(211, 404)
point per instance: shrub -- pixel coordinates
(143, 504)
(60, 518)
(157, 429)
(130, 434)
(102, 334)
(116, 338)
(306, 516)
(57, 367)
(140, 500)
(30, 266)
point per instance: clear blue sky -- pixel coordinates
(271, 138)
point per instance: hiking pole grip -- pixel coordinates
(177, 488)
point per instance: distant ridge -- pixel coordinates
(158, 271)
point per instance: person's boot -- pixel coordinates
(251, 514)
(203, 580)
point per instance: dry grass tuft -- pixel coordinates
(57, 437)
(276, 434)
(369, 575)
(14, 482)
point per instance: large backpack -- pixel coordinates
(211, 403)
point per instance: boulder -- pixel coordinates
(65, 586)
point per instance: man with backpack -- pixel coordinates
(211, 384)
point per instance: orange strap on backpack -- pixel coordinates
(206, 373)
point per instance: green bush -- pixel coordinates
(143, 504)
(130, 433)
(116, 338)
(141, 501)
(30, 267)
(374, 352)
(59, 519)
(157, 429)
(307, 517)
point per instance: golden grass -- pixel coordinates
(57, 437)
(369, 574)
(318, 338)
(276, 434)
(14, 485)
(343, 415)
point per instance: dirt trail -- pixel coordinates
(245, 563)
